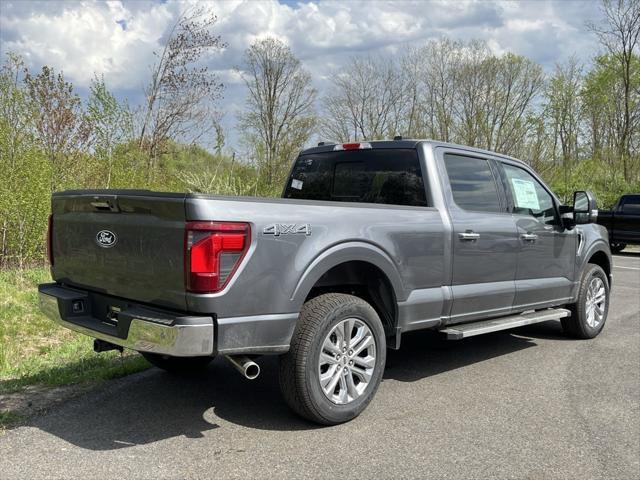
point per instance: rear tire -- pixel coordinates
(589, 313)
(178, 365)
(336, 360)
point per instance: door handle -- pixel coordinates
(529, 237)
(468, 235)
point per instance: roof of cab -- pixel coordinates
(410, 143)
(328, 147)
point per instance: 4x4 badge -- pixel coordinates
(278, 229)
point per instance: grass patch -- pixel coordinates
(36, 351)
(8, 419)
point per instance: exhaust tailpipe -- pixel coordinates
(247, 367)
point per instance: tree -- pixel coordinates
(25, 183)
(605, 112)
(620, 34)
(15, 116)
(564, 108)
(364, 102)
(181, 92)
(111, 122)
(280, 115)
(495, 98)
(440, 77)
(58, 120)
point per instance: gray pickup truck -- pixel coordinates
(370, 240)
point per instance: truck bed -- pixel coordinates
(147, 262)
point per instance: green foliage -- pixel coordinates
(111, 126)
(25, 182)
(24, 207)
(603, 98)
(280, 116)
(34, 350)
(605, 182)
(50, 140)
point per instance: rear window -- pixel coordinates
(631, 205)
(372, 176)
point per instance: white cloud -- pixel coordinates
(118, 38)
(86, 38)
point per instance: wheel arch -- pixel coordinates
(600, 258)
(357, 268)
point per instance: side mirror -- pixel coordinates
(585, 209)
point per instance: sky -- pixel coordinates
(117, 38)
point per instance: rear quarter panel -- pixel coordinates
(278, 271)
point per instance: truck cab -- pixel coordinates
(623, 222)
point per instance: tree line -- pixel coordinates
(579, 125)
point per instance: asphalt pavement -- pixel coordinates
(528, 403)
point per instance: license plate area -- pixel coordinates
(102, 313)
(112, 316)
(106, 313)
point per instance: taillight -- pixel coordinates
(50, 240)
(352, 146)
(213, 252)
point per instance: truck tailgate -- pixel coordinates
(128, 244)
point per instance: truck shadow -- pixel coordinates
(153, 405)
(424, 354)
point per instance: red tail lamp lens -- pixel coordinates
(213, 252)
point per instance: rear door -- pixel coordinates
(485, 241)
(627, 220)
(128, 244)
(546, 250)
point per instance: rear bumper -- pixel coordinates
(130, 326)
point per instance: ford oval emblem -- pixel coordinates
(106, 238)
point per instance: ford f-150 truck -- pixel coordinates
(369, 241)
(623, 222)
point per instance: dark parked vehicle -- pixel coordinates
(623, 222)
(371, 240)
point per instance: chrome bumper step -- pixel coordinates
(137, 328)
(457, 332)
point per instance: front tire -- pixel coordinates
(589, 313)
(336, 360)
(178, 365)
(617, 247)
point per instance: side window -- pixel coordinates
(472, 183)
(631, 206)
(529, 197)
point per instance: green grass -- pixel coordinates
(36, 351)
(9, 419)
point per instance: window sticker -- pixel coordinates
(297, 184)
(525, 193)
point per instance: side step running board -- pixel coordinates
(456, 332)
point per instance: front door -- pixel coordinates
(485, 241)
(627, 219)
(546, 257)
